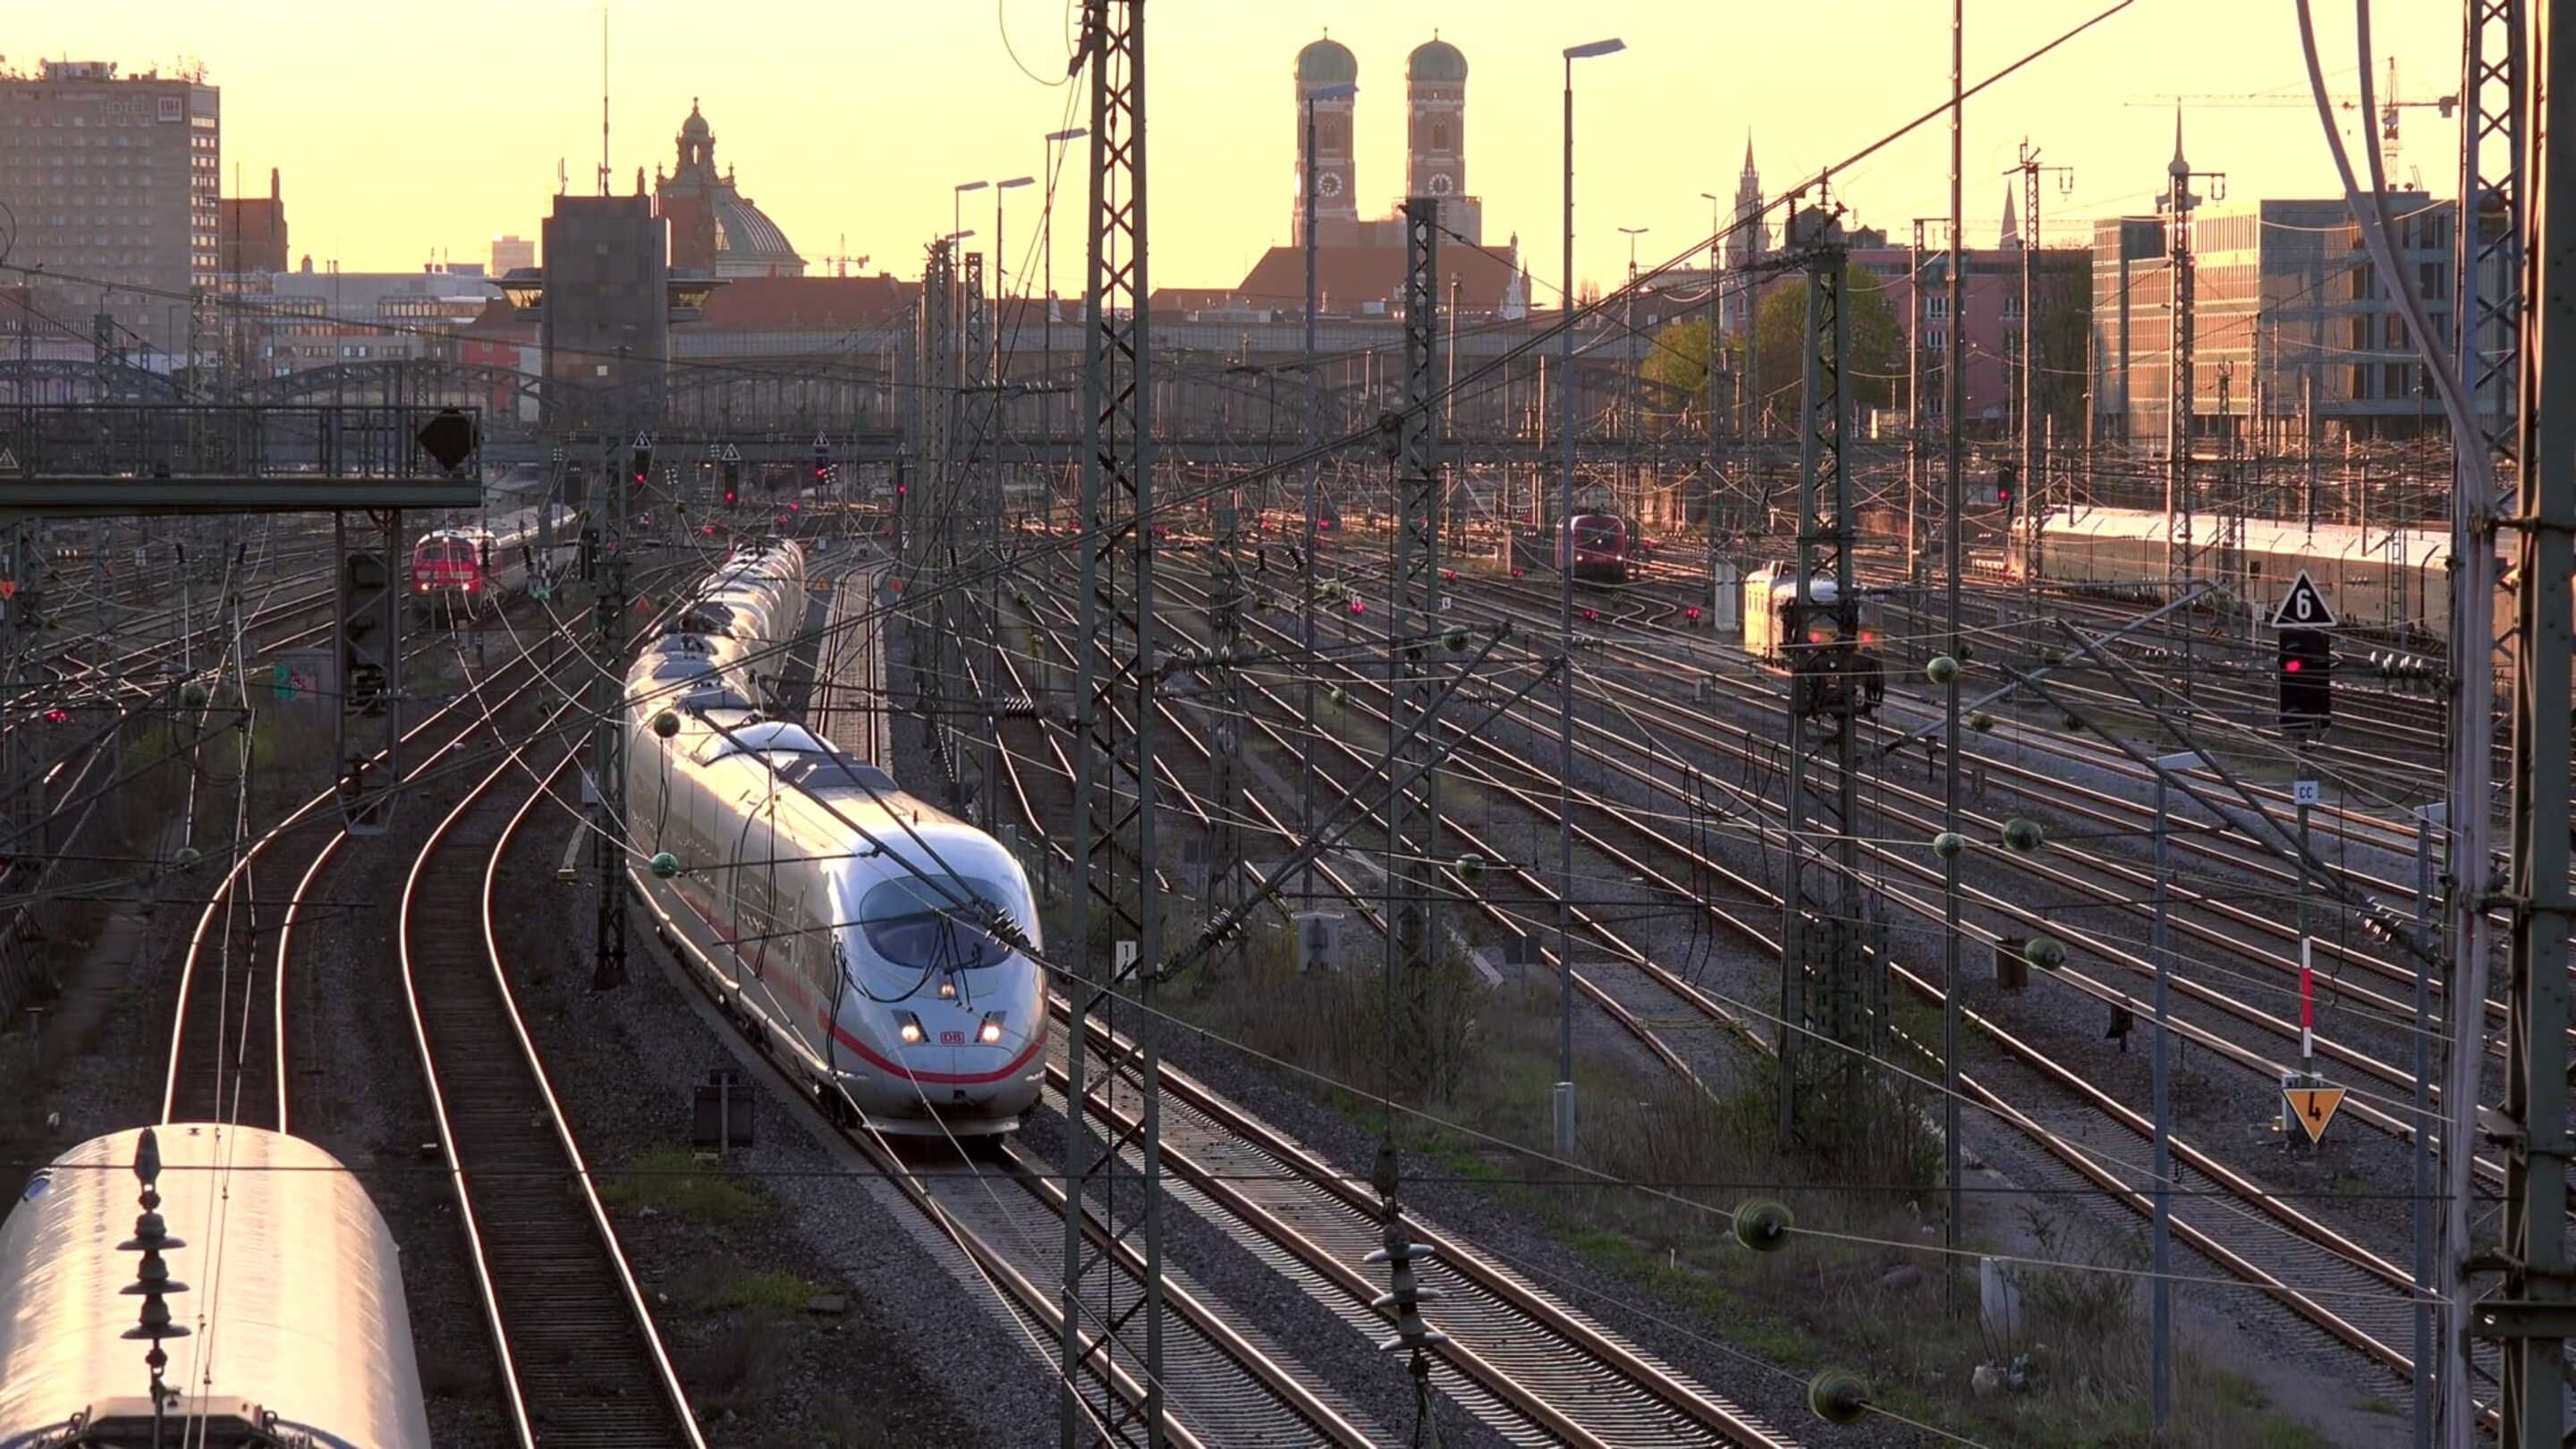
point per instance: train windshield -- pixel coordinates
(921, 923)
(1597, 533)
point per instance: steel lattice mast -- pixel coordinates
(1820, 943)
(1114, 779)
(2531, 1314)
(2489, 303)
(1413, 597)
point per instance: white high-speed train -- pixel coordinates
(877, 946)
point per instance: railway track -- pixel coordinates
(1525, 1363)
(1223, 1382)
(231, 1047)
(2365, 1296)
(581, 1362)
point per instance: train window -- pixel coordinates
(912, 922)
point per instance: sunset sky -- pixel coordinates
(400, 138)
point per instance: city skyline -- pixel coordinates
(480, 157)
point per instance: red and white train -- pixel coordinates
(476, 568)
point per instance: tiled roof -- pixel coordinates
(1349, 276)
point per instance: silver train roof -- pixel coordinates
(294, 1302)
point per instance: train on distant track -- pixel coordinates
(1599, 548)
(476, 568)
(2390, 581)
(880, 949)
(298, 1331)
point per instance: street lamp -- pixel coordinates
(1716, 315)
(1046, 225)
(999, 289)
(956, 204)
(957, 264)
(1342, 90)
(1565, 630)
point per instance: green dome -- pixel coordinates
(1435, 60)
(1327, 62)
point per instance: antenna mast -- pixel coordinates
(603, 97)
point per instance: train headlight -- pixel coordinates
(908, 1026)
(948, 988)
(990, 1033)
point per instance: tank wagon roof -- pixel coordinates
(289, 1267)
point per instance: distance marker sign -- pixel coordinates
(2304, 606)
(2311, 1102)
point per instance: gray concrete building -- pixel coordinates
(115, 180)
(607, 286)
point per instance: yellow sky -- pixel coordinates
(400, 138)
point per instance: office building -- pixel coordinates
(115, 180)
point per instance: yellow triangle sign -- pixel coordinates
(2313, 1106)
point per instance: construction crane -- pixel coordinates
(2391, 105)
(842, 261)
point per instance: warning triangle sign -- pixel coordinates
(2313, 1105)
(822, 442)
(8, 459)
(643, 440)
(2304, 606)
(732, 454)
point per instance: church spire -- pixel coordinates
(2012, 226)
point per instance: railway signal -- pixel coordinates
(2007, 475)
(2307, 665)
(639, 468)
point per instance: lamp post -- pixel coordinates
(956, 220)
(1000, 288)
(1565, 633)
(1716, 315)
(1046, 229)
(1314, 467)
(1627, 343)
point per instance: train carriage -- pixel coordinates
(295, 1295)
(476, 568)
(876, 944)
(1600, 548)
(2392, 581)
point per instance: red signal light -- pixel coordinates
(1691, 613)
(1357, 607)
(2290, 666)
(58, 715)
